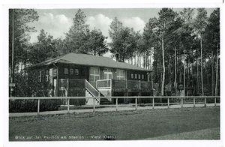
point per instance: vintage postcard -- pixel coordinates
(116, 74)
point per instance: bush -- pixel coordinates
(31, 105)
(23, 106)
(77, 102)
(49, 105)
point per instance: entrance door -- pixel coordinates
(107, 76)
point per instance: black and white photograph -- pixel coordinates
(114, 74)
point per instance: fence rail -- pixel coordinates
(153, 103)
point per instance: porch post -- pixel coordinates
(57, 81)
(38, 107)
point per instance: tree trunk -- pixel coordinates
(135, 60)
(197, 89)
(139, 60)
(150, 61)
(187, 76)
(163, 61)
(212, 68)
(144, 63)
(184, 78)
(216, 85)
(180, 71)
(202, 69)
(175, 71)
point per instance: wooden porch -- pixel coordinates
(124, 85)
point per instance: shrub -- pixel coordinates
(31, 105)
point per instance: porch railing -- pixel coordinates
(94, 92)
(104, 84)
(132, 85)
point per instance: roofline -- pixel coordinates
(38, 65)
(104, 66)
(56, 59)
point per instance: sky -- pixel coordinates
(57, 22)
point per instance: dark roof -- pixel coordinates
(89, 60)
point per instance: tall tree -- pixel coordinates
(212, 41)
(174, 47)
(200, 25)
(97, 43)
(19, 34)
(149, 38)
(123, 41)
(43, 49)
(80, 39)
(166, 17)
(78, 34)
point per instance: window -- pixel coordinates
(47, 75)
(120, 74)
(139, 76)
(71, 71)
(107, 74)
(39, 77)
(51, 76)
(54, 72)
(66, 71)
(135, 76)
(94, 74)
(94, 70)
(143, 77)
(51, 72)
(132, 76)
(76, 71)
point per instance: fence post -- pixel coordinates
(135, 103)
(194, 102)
(93, 104)
(182, 102)
(168, 102)
(153, 103)
(205, 102)
(38, 107)
(116, 104)
(68, 105)
(215, 102)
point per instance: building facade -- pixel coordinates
(89, 76)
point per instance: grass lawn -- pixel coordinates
(191, 123)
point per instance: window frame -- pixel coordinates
(76, 71)
(71, 71)
(132, 76)
(47, 75)
(40, 76)
(139, 76)
(121, 74)
(95, 74)
(66, 71)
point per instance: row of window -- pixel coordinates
(94, 74)
(137, 76)
(41, 73)
(52, 72)
(72, 71)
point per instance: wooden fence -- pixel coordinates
(180, 99)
